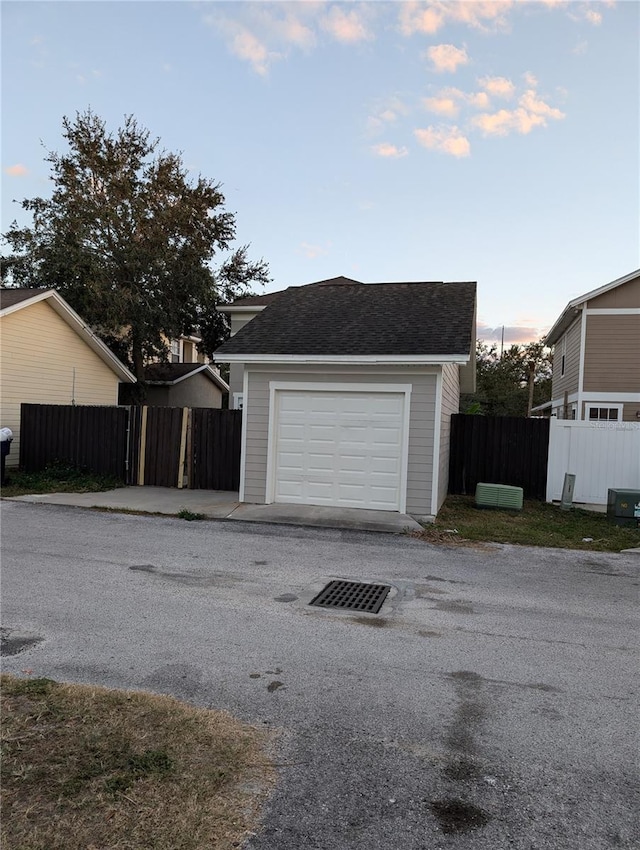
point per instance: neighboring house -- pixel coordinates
(181, 385)
(49, 356)
(596, 360)
(348, 390)
(184, 349)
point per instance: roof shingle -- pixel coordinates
(351, 318)
(11, 296)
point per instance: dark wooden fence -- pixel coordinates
(498, 450)
(199, 447)
(94, 438)
(215, 454)
(162, 446)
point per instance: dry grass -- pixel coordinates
(538, 524)
(85, 768)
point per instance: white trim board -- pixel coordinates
(243, 434)
(228, 308)
(437, 429)
(343, 359)
(613, 311)
(588, 397)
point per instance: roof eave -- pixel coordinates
(573, 307)
(204, 368)
(342, 359)
(229, 308)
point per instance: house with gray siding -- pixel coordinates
(596, 355)
(347, 391)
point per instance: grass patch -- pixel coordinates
(190, 516)
(538, 524)
(89, 767)
(57, 478)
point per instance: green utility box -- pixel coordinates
(499, 496)
(623, 507)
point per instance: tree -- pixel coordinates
(128, 240)
(511, 384)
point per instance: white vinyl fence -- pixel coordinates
(601, 455)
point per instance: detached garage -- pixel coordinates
(347, 393)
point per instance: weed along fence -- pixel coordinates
(498, 450)
(602, 456)
(197, 448)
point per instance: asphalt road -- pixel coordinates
(491, 704)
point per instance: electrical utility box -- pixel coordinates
(499, 496)
(623, 507)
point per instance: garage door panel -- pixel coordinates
(319, 463)
(340, 448)
(384, 465)
(321, 432)
(352, 463)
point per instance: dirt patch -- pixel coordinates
(90, 767)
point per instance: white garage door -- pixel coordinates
(340, 448)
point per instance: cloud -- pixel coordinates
(347, 27)
(497, 86)
(17, 170)
(447, 57)
(442, 105)
(389, 151)
(581, 48)
(418, 17)
(427, 18)
(246, 46)
(262, 33)
(312, 252)
(386, 112)
(449, 140)
(448, 101)
(513, 334)
(531, 112)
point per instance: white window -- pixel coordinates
(175, 351)
(238, 400)
(564, 355)
(602, 413)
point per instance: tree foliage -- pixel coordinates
(511, 384)
(129, 240)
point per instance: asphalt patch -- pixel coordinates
(12, 644)
(457, 816)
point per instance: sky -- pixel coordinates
(383, 141)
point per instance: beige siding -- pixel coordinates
(612, 354)
(421, 423)
(39, 355)
(450, 405)
(631, 411)
(626, 295)
(569, 381)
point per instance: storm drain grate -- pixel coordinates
(352, 595)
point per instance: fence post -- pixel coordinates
(143, 445)
(183, 446)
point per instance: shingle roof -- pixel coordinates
(9, 297)
(168, 372)
(270, 297)
(350, 318)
